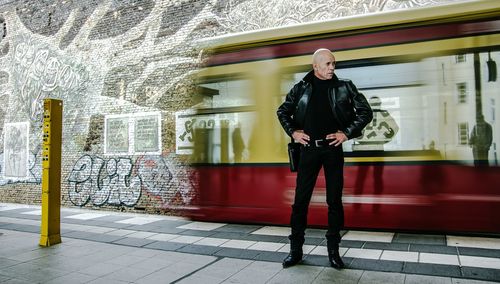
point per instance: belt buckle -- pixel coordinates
(317, 141)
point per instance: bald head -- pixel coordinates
(320, 53)
(323, 64)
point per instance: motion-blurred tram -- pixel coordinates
(429, 159)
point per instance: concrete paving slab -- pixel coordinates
(199, 249)
(344, 276)
(133, 242)
(211, 241)
(194, 279)
(266, 246)
(481, 273)
(438, 258)
(273, 231)
(316, 233)
(238, 228)
(126, 260)
(197, 233)
(376, 277)
(85, 216)
(239, 244)
(237, 253)
(162, 237)
(165, 245)
(479, 261)
(269, 256)
(186, 239)
(432, 269)
(364, 253)
(316, 260)
(121, 232)
(433, 249)
(382, 237)
(479, 252)
(264, 238)
(377, 265)
(425, 279)
(202, 226)
(129, 274)
(469, 281)
(139, 220)
(297, 274)
(101, 269)
(419, 239)
(255, 272)
(314, 241)
(350, 244)
(223, 268)
(474, 242)
(101, 238)
(387, 246)
(403, 256)
(106, 280)
(73, 277)
(6, 262)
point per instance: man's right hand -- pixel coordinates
(300, 137)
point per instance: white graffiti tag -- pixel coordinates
(104, 182)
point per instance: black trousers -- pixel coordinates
(311, 160)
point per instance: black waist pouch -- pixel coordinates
(294, 155)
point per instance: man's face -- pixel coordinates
(324, 65)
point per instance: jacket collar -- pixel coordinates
(308, 78)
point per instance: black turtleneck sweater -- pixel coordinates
(319, 117)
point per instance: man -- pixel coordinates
(321, 112)
(480, 140)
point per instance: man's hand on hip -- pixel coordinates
(301, 137)
(337, 138)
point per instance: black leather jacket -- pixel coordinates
(350, 108)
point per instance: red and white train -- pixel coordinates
(430, 75)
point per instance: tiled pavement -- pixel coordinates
(109, 247)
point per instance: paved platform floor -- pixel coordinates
(112, 247)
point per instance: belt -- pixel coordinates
(319, 143)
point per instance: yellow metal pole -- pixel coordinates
(51, 173)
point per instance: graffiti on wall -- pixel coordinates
(104, 182)
(16, 150)
(38, 73)
(245, 15)
(34, 170)
(4, 46)
(122, 181)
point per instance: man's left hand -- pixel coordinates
(337, 138)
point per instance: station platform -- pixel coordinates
(114, 247)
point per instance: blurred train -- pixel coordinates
(430, 75)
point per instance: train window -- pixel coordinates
(227, 93)
(424, 106)
(218, 128)
(398, 88)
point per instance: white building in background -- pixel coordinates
(451, 103)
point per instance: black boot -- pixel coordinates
(295, 255)
(292, 259)
(334, 256)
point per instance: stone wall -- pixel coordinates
(129, 61)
